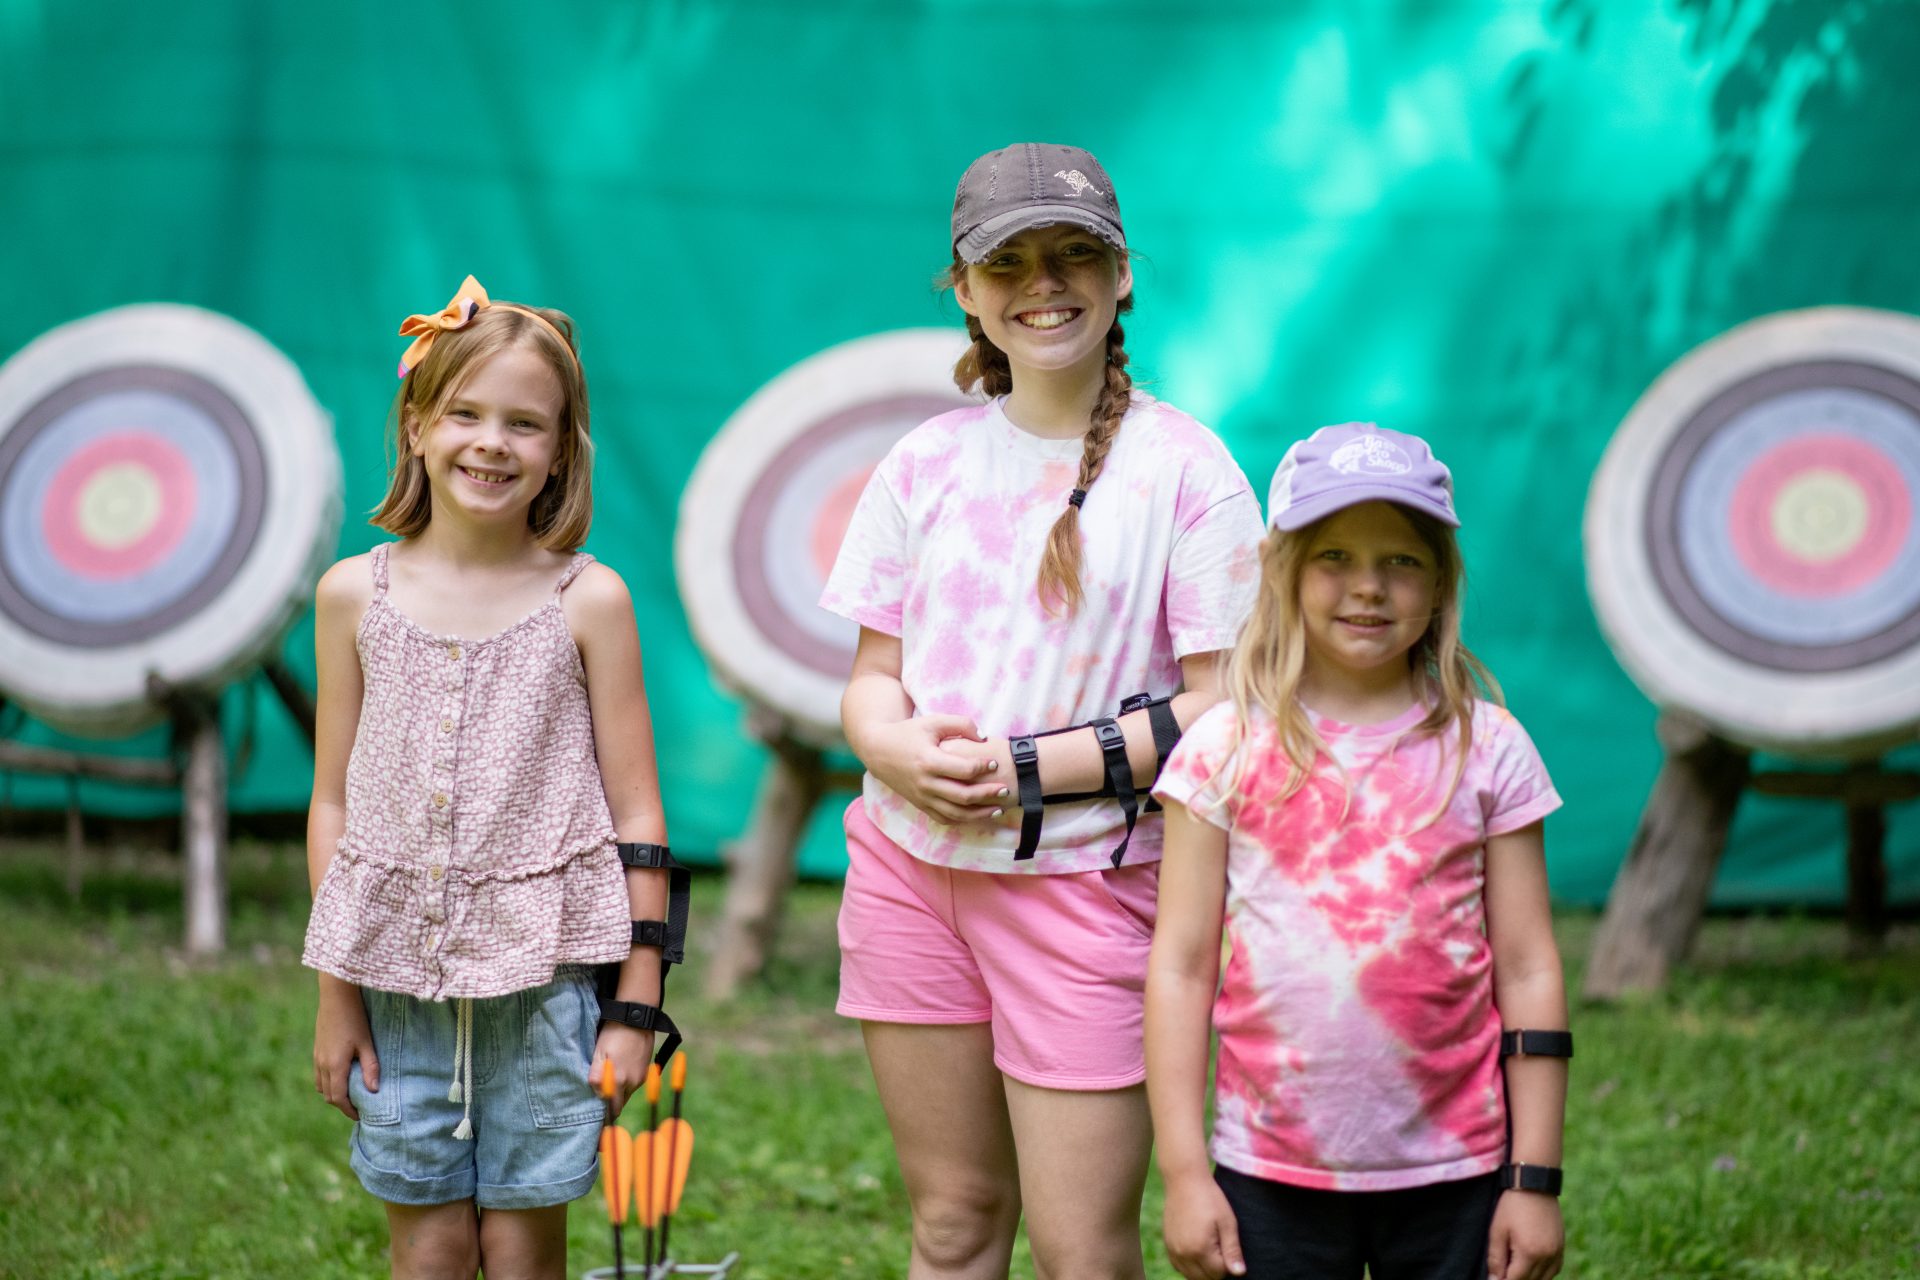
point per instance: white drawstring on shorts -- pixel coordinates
(463, 1066)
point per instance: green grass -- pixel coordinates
(158, 1120)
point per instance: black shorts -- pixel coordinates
(1435, 1232)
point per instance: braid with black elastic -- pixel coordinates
(1060, 566)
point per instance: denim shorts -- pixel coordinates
(536, 1120)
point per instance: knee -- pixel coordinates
(1091, 1255)
(437, 1249)
(953, 1231)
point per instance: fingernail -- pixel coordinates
(1002, 793)
(993, 765)
(998, 812)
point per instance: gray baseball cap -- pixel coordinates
(1032, 184)
(1355, 462)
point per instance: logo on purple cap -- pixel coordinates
(1371, 455)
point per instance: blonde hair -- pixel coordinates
(985, 366)
(1266, 666)
(563, 511)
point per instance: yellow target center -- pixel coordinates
(118, 505)
(1819, 515)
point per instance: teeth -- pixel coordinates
(1046, 319)
(489, 477)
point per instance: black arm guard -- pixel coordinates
(669, 935)
(1113, 755)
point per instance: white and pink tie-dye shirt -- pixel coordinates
(1359, 1045)
(944, 552)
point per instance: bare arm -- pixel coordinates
(1182, 971)
(1530, 994)
(600, 613)
(340, 1035)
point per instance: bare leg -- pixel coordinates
(434, 1241)
(948, 1114)
(1083, 1169)
(524, 1244)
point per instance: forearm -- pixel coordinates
(1536, 1087)
(1178, 1038)
(326, 823)
(872, 699)
(640, 972)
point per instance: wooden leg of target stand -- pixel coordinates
(1866, 871)
(760, 867)
(1653, 913)
(203, 827)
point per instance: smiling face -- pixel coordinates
(1367, 594)
(1047, 298)
(496, 441)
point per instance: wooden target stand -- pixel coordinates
(759, 525)
(1753, 554)
(197, 766)
(1660, 894)
(169, 494)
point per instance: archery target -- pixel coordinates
(769, 501)
(1752, 546)
(169, 489)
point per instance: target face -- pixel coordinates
(168, 487)
(763, 515)
(1752, 543)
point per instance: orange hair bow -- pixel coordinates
(469, 301)
(455, 315)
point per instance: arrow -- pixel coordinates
(616, 1166)
(674, 1157)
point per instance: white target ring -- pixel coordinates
(169, 492)
(1753, 533)
(766, 507)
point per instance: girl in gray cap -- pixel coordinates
(1022, 567)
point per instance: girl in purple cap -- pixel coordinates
(1019, 566)
(1365, 817)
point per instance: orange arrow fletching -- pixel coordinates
(673, 1141)
(679, 1072)
(617, 1163)
(645, 1158)
(653, 1082)
(606, 1089)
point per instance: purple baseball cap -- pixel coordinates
(1355, 462)
(1032, 184)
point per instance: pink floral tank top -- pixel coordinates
(478, 852)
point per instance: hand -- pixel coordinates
(341, 1037)
(1527, 1240)
(920, 759)
(630, 1050)
(1203, 1240)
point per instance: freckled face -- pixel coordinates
(497, 442)
(1047, 297)
(1367, 590)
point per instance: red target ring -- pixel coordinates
(1820, 516)
(119, 505)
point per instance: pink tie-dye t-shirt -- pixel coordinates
(1359, 1045)
(944, 552)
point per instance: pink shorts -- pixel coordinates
(1057, 963)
